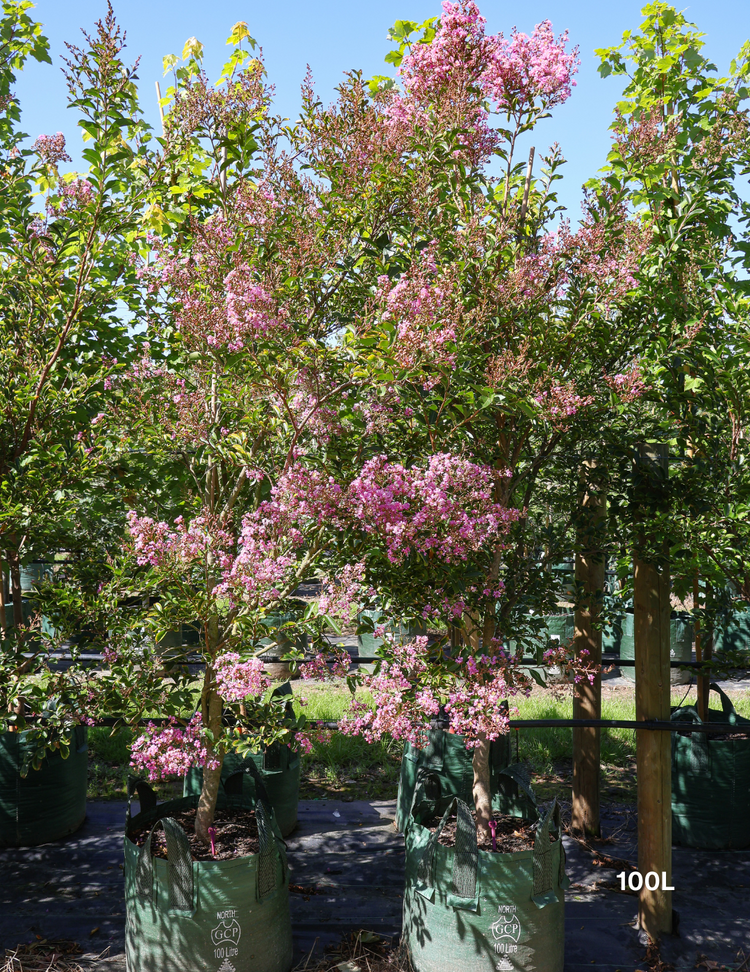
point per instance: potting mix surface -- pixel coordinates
(511, 834)
(235, 835)
(347, 873)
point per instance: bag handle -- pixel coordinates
(463, 894)
(434, 751)
(179, 867)
(145, 796)
(265, 819)
(544, 879)
(520, 775)
(727, 708)
(700, 758)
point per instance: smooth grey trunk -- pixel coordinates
(204, 816)
(212, 706)
(481, 788)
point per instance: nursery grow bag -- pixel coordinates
(279, 770)
(468, 909)
(711, 782)
(736, 635)
(444, 769)
(194, 916)
(680, 644)
(47, 803)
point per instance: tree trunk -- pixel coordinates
(481, 788)
(204, 817)
(587, 698)
(211, 707)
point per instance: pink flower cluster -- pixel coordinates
(629, 385)
(559, 403)
(425, 313)
(237, 680)
(462, 69)
(272, 536)
(333, 663)
(446, 509)
(51, 149)
(171, 750)
(395, 710)
(342, 595)
(250, 312)
(73, 195)
(524, 70)
(156, 543)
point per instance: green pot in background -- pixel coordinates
(48, 803)
(711, 782)
(680, 644)
(368, 644)
(444, 768)
(279, 768)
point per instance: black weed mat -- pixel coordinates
(347, 878)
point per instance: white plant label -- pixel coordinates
(652, 881)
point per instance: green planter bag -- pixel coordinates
(680, 645)
(206, 916)
(444, 769)
(736, 635)
(711, 782)
(279, 770)
(469, 910)
(48, 803)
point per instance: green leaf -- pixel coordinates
(193, 48)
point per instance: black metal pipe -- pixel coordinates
(655, 725)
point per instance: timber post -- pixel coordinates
(587, 697)
(652, 698)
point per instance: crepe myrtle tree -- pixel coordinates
(66, 272)
(506, 338)
(255, 377)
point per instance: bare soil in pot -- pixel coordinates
(236, 835)
(512, 834)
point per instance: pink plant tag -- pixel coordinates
(212, 834)
(493, 825)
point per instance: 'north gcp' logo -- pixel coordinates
(226, 932)
(507, 927)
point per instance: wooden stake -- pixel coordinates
(161, 108)
(702, 681)
(587, 698)
(652, 697)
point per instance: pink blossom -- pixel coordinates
(446, 509)
(237, 680)
(524, 71)
(318, 668)
(51, 149)
(627, 386)
(163, 751)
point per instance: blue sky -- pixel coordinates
(334, 36)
